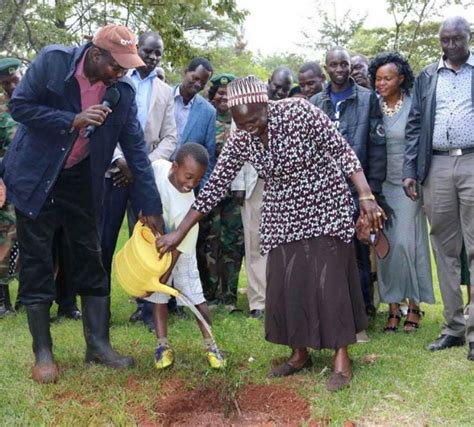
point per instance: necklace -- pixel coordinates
(391, 111)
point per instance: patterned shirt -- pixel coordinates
(454, 118)
(305, 168)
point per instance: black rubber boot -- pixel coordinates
(44, 369)
(95, 318)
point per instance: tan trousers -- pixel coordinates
(255, 264)
(449, 202)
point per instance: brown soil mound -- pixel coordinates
(254, 405)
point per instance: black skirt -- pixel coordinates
(314, 298)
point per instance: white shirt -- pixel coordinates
(175, 205)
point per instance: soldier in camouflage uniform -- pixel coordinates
(9, 78)
(221, 237)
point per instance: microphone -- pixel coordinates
(111, 98)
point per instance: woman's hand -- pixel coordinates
(169, 242)
(372, 212)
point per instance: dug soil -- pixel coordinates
(213, 405)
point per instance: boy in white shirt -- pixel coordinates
(176, 181)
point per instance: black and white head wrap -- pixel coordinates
(247, 90)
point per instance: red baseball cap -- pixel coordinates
(121, 43)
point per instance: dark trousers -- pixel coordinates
(116, 201)
(363, 262)
(65, 283)
(69, 206)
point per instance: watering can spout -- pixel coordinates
(157, 286)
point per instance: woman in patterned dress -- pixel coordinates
(313, 293)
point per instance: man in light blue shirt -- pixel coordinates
(196, 117)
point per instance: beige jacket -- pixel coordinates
(160, 129)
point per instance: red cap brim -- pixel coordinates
(128, 60)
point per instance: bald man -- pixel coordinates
(279, 84)
(439, 157)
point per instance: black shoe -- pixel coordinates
(95, 319)
(371, 311)
(136, 316)
(5, 305)
(470, 355)
(72, 313)
(446, 341)
(257, 314)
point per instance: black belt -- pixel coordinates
(454, 152)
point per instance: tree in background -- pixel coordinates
(27, 26)
(414, 34)
(329, 28)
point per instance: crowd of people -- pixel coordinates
(277, 175)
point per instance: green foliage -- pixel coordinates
(181, 23)
(418, 43)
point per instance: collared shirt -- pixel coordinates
(181, 112)
(143, 88)
(91, 94)
(454, 117)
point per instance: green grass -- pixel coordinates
(400, 383)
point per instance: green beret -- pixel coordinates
(8, 66)
(222, 79)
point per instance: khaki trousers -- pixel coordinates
(255, 264)
(449, 202)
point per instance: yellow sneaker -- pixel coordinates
(164, 357)
(215, 358)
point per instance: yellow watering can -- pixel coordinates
(138, 266)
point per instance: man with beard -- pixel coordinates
(155, 105)
(279, 84)
(439, 155)
(311, 78)
(356, 112)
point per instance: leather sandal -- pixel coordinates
(285, 369)
(410, 325)
(391, 329)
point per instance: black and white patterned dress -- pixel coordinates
(306, 197)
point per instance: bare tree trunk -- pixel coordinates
(10, 26)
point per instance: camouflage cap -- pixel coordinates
(222, 79)
(8, 66)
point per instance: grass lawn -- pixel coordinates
(396, 381)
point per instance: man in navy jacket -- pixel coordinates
(54, 175)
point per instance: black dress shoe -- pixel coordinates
(257, 314)
(72, 313)
(446, 341)
(136, 316)
(470, 355)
